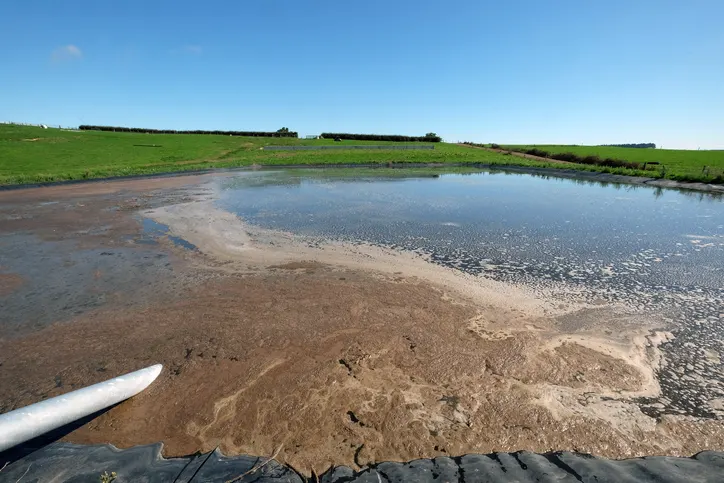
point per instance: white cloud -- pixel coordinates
(66, 53)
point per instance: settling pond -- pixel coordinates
(653, 250)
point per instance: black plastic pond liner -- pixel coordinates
(66, 462)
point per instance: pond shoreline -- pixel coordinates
(556, 172)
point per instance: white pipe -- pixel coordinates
(26, 423)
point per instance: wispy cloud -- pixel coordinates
(66, 53)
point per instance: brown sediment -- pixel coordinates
(345, 355)
(301, 265)
(102, 187)
(327, 361)
(9, 282)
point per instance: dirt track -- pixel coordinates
(342, 355)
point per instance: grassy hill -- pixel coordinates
(34, 155)
(677, 164)
(31, 154)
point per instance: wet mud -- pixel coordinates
(339, 352)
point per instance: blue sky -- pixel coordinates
(525, 71)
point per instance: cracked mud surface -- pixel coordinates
(342, 354)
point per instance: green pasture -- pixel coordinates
(35, 155)
(678, 164)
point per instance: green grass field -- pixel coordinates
(682, 165)
(31, 154)
(35, 155)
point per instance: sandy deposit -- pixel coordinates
(351, 354)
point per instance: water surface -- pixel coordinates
(652, 249)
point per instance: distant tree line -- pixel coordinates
(282, 133)
(430, 137)
(634, 145)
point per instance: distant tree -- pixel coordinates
(382, 137)
(284, 129)
(633, 145)
(431, 136)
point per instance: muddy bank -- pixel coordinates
(340, 354)
(71, 249)
(342, 367)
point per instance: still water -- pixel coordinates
(648, 248)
